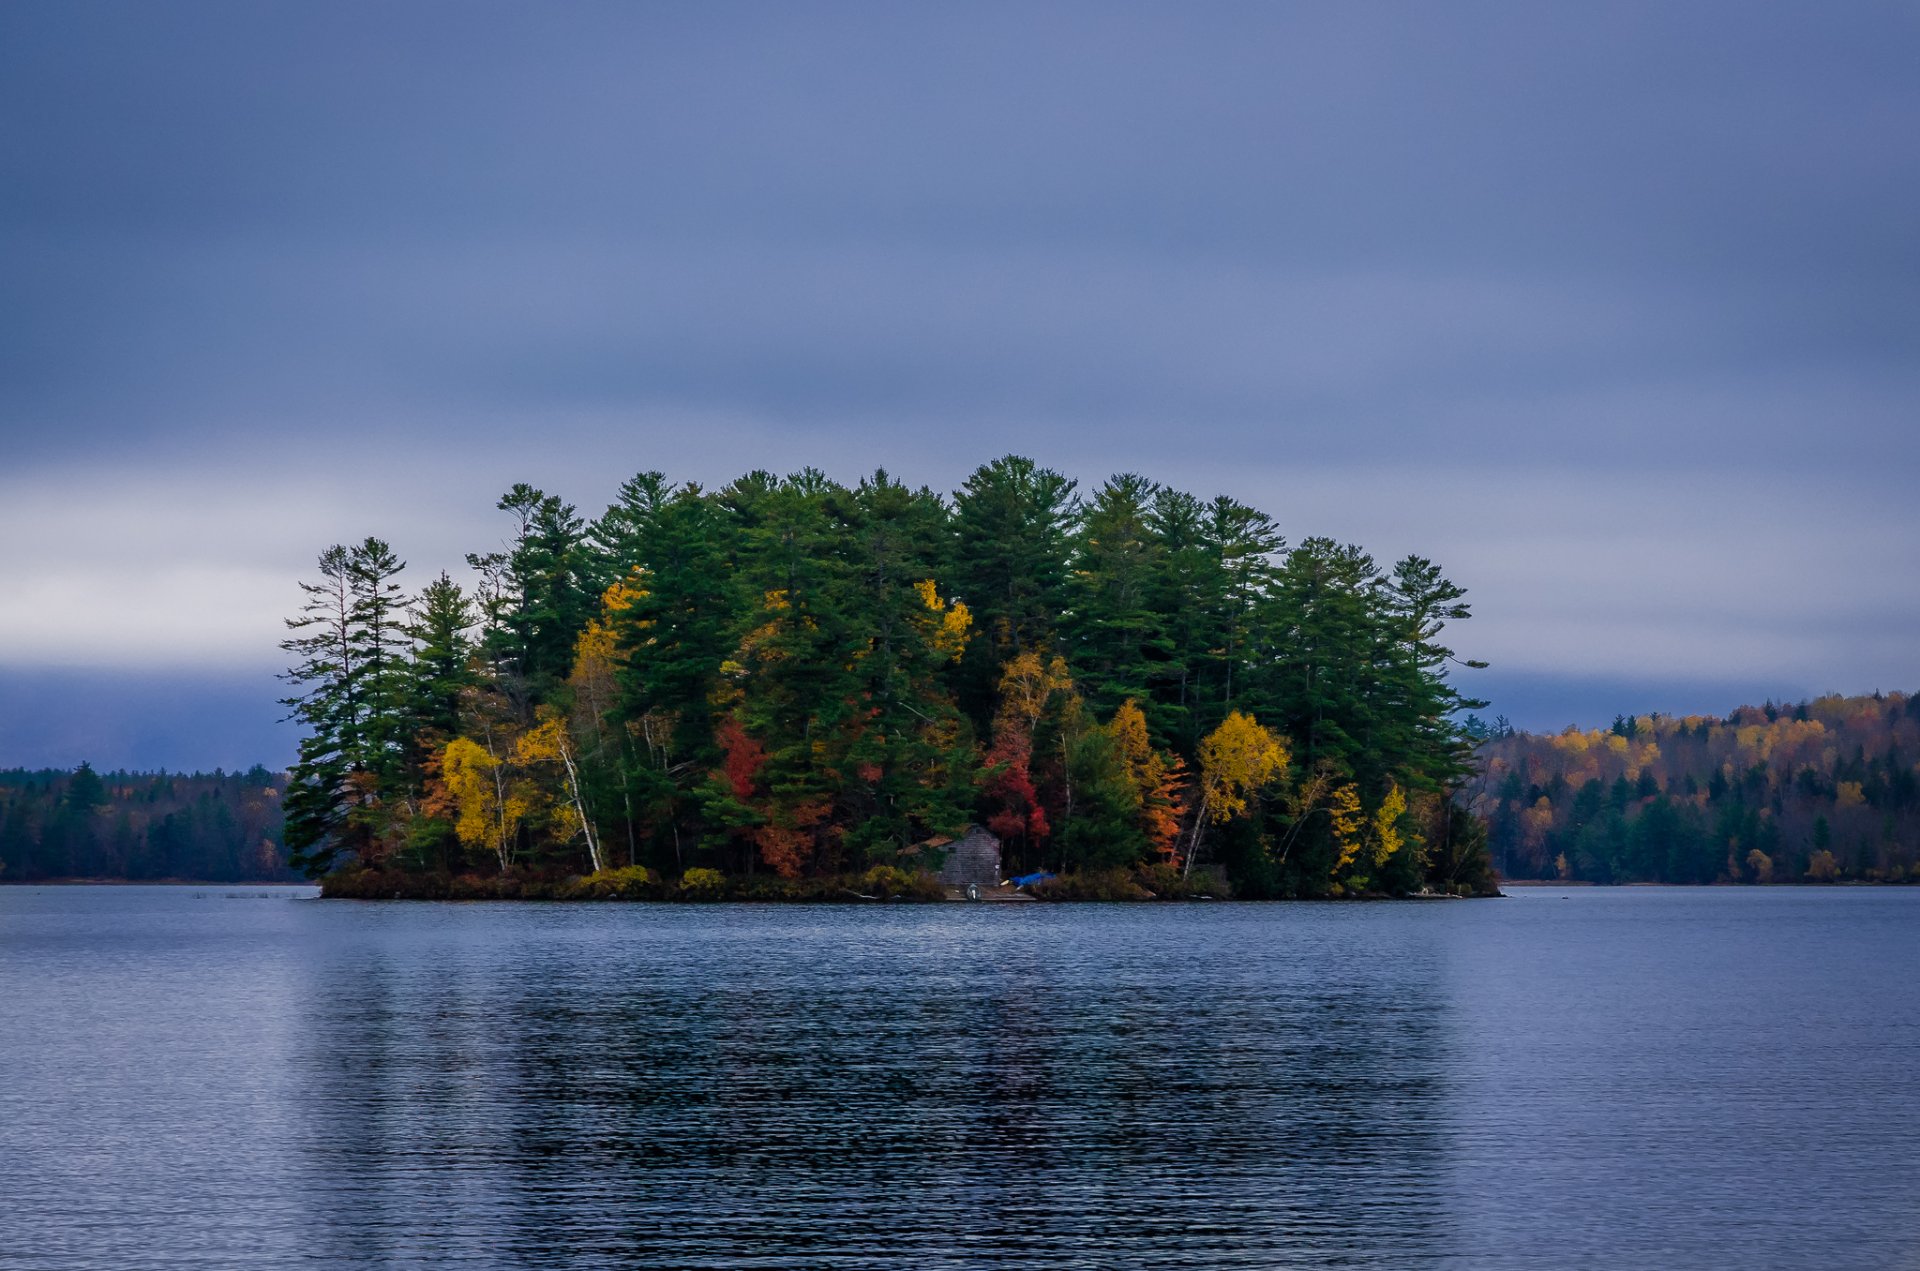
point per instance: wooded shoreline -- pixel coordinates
(795, 677)
(882, 884)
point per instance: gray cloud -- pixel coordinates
(1610, 309)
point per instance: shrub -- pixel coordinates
(1143, 882)
(891, 883)
(629, 882)
(700, 883)
(1092, 884)
(1167, 883)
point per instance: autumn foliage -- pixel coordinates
(1819, 790)
(792, 678)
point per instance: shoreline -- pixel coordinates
(149, 882)
(880, 884)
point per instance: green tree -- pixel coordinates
(1013, 522)
(442, 668)
(671, 643)
(85, 790)
(326, 703)
(1116, 640)
(537, 595)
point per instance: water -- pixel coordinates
(1581, 1078)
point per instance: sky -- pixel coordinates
(1613, 310)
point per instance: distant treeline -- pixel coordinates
(792, 677)
(207, 827)
(1822, 790)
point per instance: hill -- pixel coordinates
(208, 827)
(1821, 790)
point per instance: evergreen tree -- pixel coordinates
(442, 663)
(85, 791)
(327, 705)
(537, 595)
(377, 621)
(1244, 543)
(1115, 637)
(1013, 522)
(671, 644)
(911, 766)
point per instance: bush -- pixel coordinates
(891, 883)
(1091, 884)
(882, 882)
(1167, 883)
(1143, 882)
(630, 882)
(700, 883)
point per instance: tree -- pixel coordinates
(910, 767)
(327, 704)
(670, 645)
(377, 622)
(1154, 782)
(1237, 760)
(442, 663)
(538, 593)
(487, 810)
(1012, 525)
(606, 749)
(1102, 829)
(85, 790)
(549, 743)
(1031, 688)
(1115, 637)
(1244, 543)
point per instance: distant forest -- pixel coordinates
(207, 827)
(1822, 790)
(792, 678)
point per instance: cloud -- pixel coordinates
(1609, 310)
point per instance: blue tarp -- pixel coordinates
(1025, 879)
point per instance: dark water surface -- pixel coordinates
(1650, 1078)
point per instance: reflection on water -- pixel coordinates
(1614, 1079)
(888, 1086)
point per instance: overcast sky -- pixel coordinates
(1614, 310)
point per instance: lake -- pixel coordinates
(1641, 1077)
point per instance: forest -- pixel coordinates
(205, 827)
(790, 679)
(1820, 791)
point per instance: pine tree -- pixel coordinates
(1115, 638)
(671, 645)
(1013, 522)
(537, 595)
(327, 705)
(377, 624)
(442, 662)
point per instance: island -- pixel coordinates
(791, 687)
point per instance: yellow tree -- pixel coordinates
(1237, 760)
(486, 812)
(945, 627)
(1028, 685)
(1154, 779)
(596, 663)
(547, 744)
(1387, 837)
(1349, 824)
(595, 685)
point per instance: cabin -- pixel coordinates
(973, 858)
